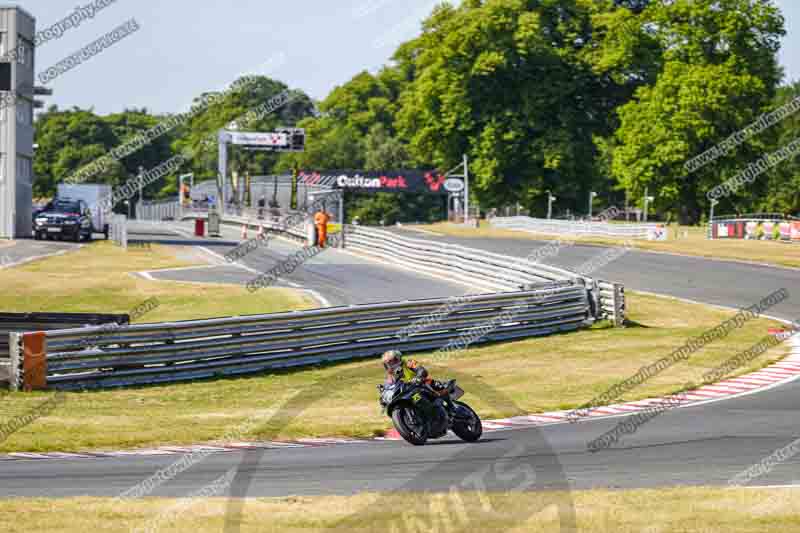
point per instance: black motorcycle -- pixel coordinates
(419, 413)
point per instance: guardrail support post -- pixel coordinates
(34, 361)
(595, 302)
(14, 344)
(619, 305)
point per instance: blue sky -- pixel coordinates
(185, 47)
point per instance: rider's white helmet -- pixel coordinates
(392, 360)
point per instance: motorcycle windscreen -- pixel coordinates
(457, 393)
(388, 394)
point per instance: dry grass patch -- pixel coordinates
(598, 511)
(687, 240)
(99, 279)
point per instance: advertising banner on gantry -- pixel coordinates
(413, 181)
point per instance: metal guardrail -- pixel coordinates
(19, 322)
(100, 357)
(532, 299)
(484, 270)
(567, 227)
(487, 270)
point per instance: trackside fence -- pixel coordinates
(523, 298)
(10, 367)
(99, 357)
(569, 227)
(483, 270)
(158, 211)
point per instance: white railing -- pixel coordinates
(577, 228)
(158, 211)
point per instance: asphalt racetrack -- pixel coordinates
(334, 277)
(701, 445)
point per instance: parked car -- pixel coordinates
(94, 195)
(64, 219)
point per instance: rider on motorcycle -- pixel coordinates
(399, 370)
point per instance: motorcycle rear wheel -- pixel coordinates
(416, 434)
(468, 431)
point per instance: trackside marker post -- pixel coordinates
(34, 361)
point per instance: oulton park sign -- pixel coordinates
(413, 181)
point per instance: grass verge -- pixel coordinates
(685, 509)
(687, 240)
(539, 374)
(99, 279)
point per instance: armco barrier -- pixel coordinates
(10, 369)
(99, 357)
(486, 270)
(481, 269)
(577, 228)
(533, 299)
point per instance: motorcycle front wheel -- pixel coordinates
(411, 427)
(468, 424)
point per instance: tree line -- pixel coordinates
(566, 96)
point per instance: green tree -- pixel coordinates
(200, 134)
(779, 191)
(513, 84)
(719, 72)
(68, 140)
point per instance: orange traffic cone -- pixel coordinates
(244, 231)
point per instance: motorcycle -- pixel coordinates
(419, 413)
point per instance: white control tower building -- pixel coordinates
(17, 31)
